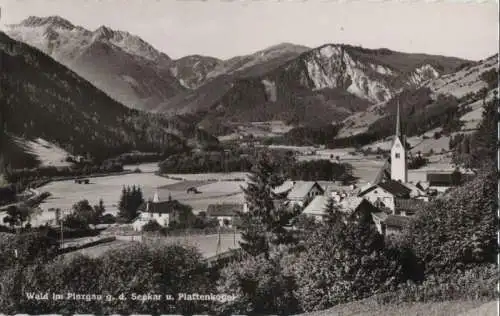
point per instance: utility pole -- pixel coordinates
(218, 243)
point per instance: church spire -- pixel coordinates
(398, 123)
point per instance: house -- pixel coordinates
(441, 181)
(416, 191)
(388, 224)
(304, 191)
(408, 207)
(298, 192)
(317, 208)
(383, 194)
(225, 213)
(163, 212)
(350, 206)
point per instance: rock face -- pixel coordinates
(318, 86)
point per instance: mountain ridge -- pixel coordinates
(47, 100)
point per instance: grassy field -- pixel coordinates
(206, 244)
(66, 193)
(369, 307)
(218, 190)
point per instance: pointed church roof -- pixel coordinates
(398, 123)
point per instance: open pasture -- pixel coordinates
(66, 193)
(206, 244)
(184, 185)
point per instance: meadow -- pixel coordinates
(206, 244)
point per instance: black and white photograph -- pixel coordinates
(249, 157)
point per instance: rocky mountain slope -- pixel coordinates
(467, 85)
(193, 71)
(124, 66)
(325, 84)
(44, 99)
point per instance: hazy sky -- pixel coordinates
(225, 28)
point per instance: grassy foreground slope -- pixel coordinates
(370, 307)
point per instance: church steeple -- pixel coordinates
(398, 123)
(399, 167)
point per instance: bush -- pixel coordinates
(478, 283)
(458, 231)
(31, 247)
(108, 219)
(344, 262)
(151, 226)
(261, 286)
(137, 269)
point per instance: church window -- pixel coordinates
(397, 155)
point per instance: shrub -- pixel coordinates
(458, 231)
(151, 226)
(343, 262)
(31, 247)
(478, 283)
(108, 219)
(137, 269)
(261, 286)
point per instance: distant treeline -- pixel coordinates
(419, 112)
(21, 178)
(238, 161)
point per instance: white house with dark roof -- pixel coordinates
(383, 194)
(155, 210)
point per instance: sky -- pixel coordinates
(228, 28)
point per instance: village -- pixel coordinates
(389, 197)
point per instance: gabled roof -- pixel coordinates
(161, 207)
(408, 205)
(414, 188)
(301, 189)
(392, 221)
(351, 204)
(397, 221)
(396, 188)
(284, 187)
(317, 206)
(393, 187)
(224, 209)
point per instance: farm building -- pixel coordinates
(224, 213)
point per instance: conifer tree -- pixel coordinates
(130, 201)
(333, 214)
(264, 223)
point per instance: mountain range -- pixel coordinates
(80, 79)
(288, 82)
